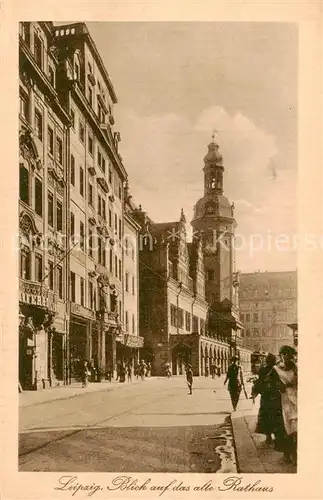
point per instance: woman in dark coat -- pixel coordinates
(280, 383)
(270, 407)
(235, 378)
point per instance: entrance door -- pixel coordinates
(57, 356)
(25, 363)
(78, 349)
(181, 356)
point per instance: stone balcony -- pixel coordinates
(37, 294)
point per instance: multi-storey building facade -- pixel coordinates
(43, 137)
(268, 305)
(96, 183)
(129, 344)
(71, 210)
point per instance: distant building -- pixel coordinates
(129, 344)
(268, 305)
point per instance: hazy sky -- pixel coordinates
(175, 83)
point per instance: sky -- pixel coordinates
(176, 83)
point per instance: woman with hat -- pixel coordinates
(269, 400)
(235, 381)
(286, 380)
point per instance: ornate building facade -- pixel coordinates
(268, 307)
(173, 306)
(72, 220)
(43, 137)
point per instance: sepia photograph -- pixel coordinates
(158, 247)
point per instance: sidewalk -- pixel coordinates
(251, 454)
(33, 398)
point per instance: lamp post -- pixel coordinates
(234, 343)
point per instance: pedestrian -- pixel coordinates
(136, 371)
(189, 378)
(270, 407)
(122, 373)
(142, 369)
(129, 373)
(109, 373)
(168, 370)
(85, 374)
(206, 371)
(285, 376)
(235, 381)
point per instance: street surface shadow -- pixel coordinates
(131, 449)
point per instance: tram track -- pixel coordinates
(98, 423)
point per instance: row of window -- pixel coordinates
(35, 272)
(55, 208)
(90, 185)
(268, 316)
(182, 319)
(54, 140)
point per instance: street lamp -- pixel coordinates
(234, 342)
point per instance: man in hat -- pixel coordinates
(235, 381)
(189, 378)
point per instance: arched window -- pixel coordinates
(24, 184)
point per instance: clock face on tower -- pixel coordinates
(210, 209)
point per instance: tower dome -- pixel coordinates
(213, 155)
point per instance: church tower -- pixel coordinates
(214, 223)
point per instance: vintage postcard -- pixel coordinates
(162, 250)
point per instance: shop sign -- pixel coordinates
(82, 311)
(38, 300)
(134, 341)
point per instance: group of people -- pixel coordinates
(277, 386)
(89, 372)
(141, 370)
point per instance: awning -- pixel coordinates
(129, 340)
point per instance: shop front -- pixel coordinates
(37, 310)
(81, 322)
(128, 348)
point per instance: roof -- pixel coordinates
(82, 30)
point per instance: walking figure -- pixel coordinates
(85, 374)
(189, 378)
(129, 373)
(236, 383)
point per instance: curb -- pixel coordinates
(247, 457)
